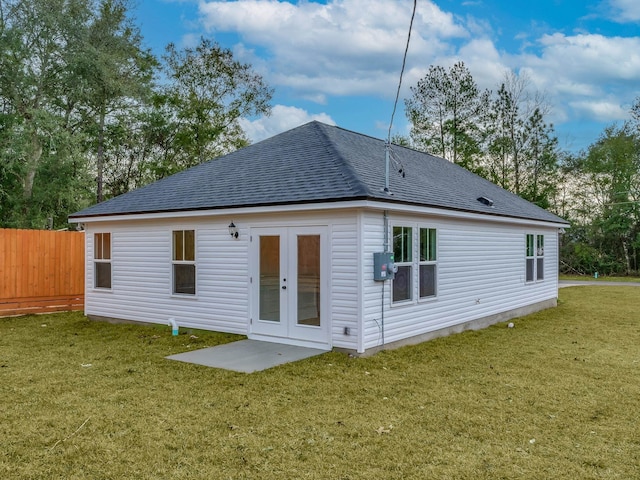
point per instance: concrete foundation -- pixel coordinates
(477, 324)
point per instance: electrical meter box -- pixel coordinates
(383, 266)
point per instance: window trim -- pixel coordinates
(433, 261)
(182, 261)
(416, 262)
(534, 253)
(99, 258)
(404, 263)
(539, 257)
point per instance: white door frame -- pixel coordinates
(288, 330)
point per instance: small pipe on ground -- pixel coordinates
(174, 326)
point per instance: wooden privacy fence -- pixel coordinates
(41, 271)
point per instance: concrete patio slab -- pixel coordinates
(247, 356)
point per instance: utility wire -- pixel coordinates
(404, 61)
(398, 163)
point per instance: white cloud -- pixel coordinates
(484, 62)
(626, 10)
(344, 47)
(601, 110)
(586, 76)
(594, 57)
(190, 40)
(354, 48)
(282, 118)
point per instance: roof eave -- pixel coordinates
(344, 202)
(77, 217)
(564, 223)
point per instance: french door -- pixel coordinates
(288, 280)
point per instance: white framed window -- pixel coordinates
(102, 260)
(427, 262)
(539, 257)
(402, 285)
(534, 258)
(184, 262)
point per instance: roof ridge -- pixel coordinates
(354, 178)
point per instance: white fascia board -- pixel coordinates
(307, 207)
(480, 217)
(222, 212)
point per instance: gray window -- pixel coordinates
(184, 262)
(540, 257)
(427, 265)
(534, 257)
(102, 260)
(402, 288)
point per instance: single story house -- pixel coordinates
(285, 241)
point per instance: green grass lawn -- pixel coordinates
(556, 397)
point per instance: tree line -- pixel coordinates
(504, 136)
(87, 113)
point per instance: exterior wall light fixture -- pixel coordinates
(233, 230)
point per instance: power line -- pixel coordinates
(397, 162)
(404, 61)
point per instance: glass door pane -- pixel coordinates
(270, 278)
(308, 280)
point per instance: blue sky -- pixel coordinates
(339, 61)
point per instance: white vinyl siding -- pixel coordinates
(142, 277)
(372, 233)
(480, 273)
(142, 273)
(344, 283)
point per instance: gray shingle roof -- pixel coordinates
(319, 163)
